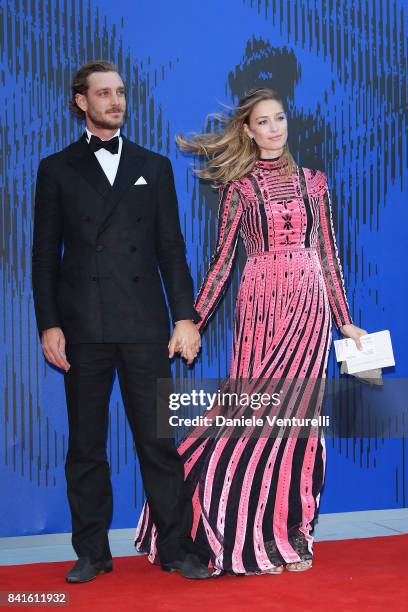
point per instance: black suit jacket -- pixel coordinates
(97, 248)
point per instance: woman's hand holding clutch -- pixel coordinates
(352, 331)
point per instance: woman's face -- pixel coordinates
(268, 126)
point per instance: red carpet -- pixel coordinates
(364, 574)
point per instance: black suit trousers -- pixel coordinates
(88, 385)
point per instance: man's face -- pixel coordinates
(105, 101)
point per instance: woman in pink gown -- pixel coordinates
(255, 498)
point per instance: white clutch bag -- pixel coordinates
(366, 364)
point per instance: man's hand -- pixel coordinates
(353, 332)
(186, 340)
(53, 346)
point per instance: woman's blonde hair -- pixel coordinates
(231, 154)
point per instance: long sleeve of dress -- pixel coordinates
(212, 288)
(329, 258)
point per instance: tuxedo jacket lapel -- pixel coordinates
(131, 163)
(85, 162)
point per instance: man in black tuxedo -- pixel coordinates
(100, 307)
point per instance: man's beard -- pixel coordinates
(104, 122)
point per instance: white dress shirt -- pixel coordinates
(108, 161)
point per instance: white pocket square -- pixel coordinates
(141, 181)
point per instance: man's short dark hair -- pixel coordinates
(80, 82)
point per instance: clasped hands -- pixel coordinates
(185, 340)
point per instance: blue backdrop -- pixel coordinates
(340, 66)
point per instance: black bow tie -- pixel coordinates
(111, 145)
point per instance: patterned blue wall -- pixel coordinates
(340, 65)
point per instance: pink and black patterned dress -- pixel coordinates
(255, 497)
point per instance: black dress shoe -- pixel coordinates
(84, 570)
(189, 567)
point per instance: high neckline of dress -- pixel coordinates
(274, 163)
